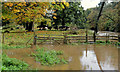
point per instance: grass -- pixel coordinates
(5, 46)
(97, 42)
(17, 38)
(49, 57)
(13, 64)
(108, 42)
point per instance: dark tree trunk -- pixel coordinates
(29, 26)
(96, 27)
(26, 25)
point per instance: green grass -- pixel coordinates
(13, 64)
(108, 42)
(48, 57)
(97, 42)
(5, 46)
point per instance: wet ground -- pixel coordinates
(80, 57)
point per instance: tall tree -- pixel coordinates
(72, 15)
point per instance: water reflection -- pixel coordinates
(89, 62)
(99, 59)
(107, 64)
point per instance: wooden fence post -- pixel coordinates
(94, 36)
(65, 39)
(106, 38)
(3, 37)
(35, 40)
(86, 35)
(118, 38)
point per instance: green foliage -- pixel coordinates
(48, 57)
(72, 15)
(109, 20)
(117, 43)
(98, 42)
(12, 63)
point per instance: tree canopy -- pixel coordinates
(27, 12)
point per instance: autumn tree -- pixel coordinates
(28, 13)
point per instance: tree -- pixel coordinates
(109, 19)
(72, 15)
(28, 13)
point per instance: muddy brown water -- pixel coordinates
(80, 57)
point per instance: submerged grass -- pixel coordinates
(12, 63)
(48, 57)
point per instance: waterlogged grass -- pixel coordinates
(5, 46)
(97, 42)
(13, 64)
(108, 42)
(49, 57)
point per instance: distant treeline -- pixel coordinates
(109, 20)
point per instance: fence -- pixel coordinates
(77, 38)
(25, 38)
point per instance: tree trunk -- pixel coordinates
(26, 25)
(29, 26)
(96, 27)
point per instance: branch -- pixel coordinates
(109, 17)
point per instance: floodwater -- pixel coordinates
(80, 57)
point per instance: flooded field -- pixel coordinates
(80, 57)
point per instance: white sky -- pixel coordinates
(89, 3)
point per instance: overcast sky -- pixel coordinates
(89, 3)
